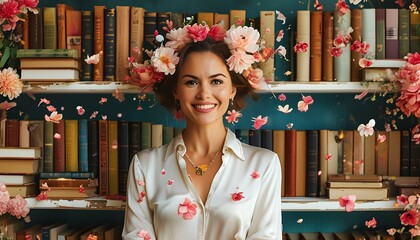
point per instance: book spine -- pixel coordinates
(219, 18)
(405, 153)
(36, 135)
(98, 41)
(36, 31)
(394, 149)
(255, 137)
(46, 53)
(87, 45)
(414, 157)
(381, 156)
(323, 163)
(50, 27)
(358, 153)
(157, 132)
(161, 18)
(343, 62)
(59, 147)
(93, 148)
(74, 31)
(76, 175)
(301, 147)
(268, 19)
(380, 33)
(391, 37)
(12, 133)
(369, 155)
(145, 135)
(123, 156)
(113, 157)
(279, 148)
(267, 139)
(237, 17)
(72, 146)
(403, 32)
(312, 163)
(357, 24)
(61, 25)
(414, 32)
(369, 30)
(303, 35)
(290, 163)
(122, 50)
(24, 133)
(137, 32)
(109, 44)
(150, 25)
(333, 150)
(206, 17)
(316, 46)
(48, 157)
(134, 144)
(103, 157)
(168, 134)
(347, 156)
(3, 132)
(83, 162)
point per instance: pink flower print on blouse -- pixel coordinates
(187, 209)
(142, 194)
(255, 175)
(143, 234)
(237, 196)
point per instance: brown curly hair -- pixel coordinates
(165, 88)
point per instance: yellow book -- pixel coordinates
(278, 147)
(72, 145)
(268, 19)
(113, 156)
(222, 19)
(394, 149)
(50, 27)
(237, 17)
(207, 17)
(122, 42)
(136, 31)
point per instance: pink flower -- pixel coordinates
(304, 104)
(239, 61)
(339, 41)
(328, 156)
(364, 63)
(165, 59)
(142, 195)
(362, 95)
(4, 198)
(336, 51)
(366, 130)
(233, 116)
(17, 207)
(198, 32)
(415, 231)
(259, 121)
(243, 38)
(187, 209)
(413, 58)
(347, 202)
(177, 38)
(9, 11)
(301, 47)
(10, 84)
(381, 138)
(318, 6)
(342, 7)
(282, 97)
(217, 32)
(144, 234)
(371, 223)
(42, 196)
(255, 77)
(237, 196)
(391, 231)
(255, 174)
(284, 109)
(145, 76)
(280, 36)
(80, 110)
(410, 217)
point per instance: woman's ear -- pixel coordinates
(233, 94)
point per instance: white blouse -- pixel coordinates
(162, 202)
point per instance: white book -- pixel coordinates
(387, 63)
(50, 74)
(303, 35)
(157, 138)
(13, 152)
(9, 179)
(57, 230)
(369, 29)
(342, 64)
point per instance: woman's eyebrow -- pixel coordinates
(217, 75)
(189, 76)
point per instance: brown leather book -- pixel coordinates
(12, 133)
(122, 42)
(356, 35)
(61, 25)
(316, 46)
(103, 157)
(74, 30)
(327, 42)
(136, 31)
(290, 163)
(36, 31)
(59, 146)
(98, 41)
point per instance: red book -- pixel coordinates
(290, 163)
(12, 133)
(59, 146)
(327, 43)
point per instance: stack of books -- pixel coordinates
(365, 187)
(382, 69)
(49, 65)
(407, 185)
(68, 188)
(18, 168)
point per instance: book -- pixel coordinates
(378, 74)
(60, 63)
(99, 231)
(77, 175)
(369, 155)
(11, 227)
(69, 182)
(312, 163)
(13, 179)
(87, 45)
(63, 235)
(414, 32)
(98, 40)
(301, 163)
(255, 137)
(59, 147)
(72, 145)
(68, 192)
(327, 43)
(353, 184)
(19, 165)
(113, 233)
(103, 157)
(74, 31)
(316, 46)
(205, 18)
(347, 159)
(343, 62)
(323, 163)
(380, 33)
(23, 190)
(237, 17)
(17, 152)
(12, 133)
(122, 44)
(113, 157)
(46, 53)
(82, 144)
(382, 154)
(407, 181)
(145, 135)
(33, 232)
(267, 22)
(51, 75)
(369, 29)
(290, 163)
(349, 177)
(124, 157)
(48, 157)
(93, 147)
(279, 149)
(358, 18)
(391, 37)
(51, 231)
(267, 139)
(394, 150)
(222, 19)
(405, 153)
(61, 24)
(358, 153)
(109, 44)
(36, 31)
(137, 32)
(303, 21)
(50, 28)
(150, 25)
(403, 32)
(23, 133)
(387, 63)
(361, 193)
(157, 132)
(3, 132)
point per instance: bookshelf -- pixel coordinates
(334, 101)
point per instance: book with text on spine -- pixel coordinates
(50, 75)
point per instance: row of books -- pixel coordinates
(61, 231)
(105, 149)
(115, 31)
(390, 33)
(356, 234)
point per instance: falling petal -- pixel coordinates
(362, 95)
(300, 220)
(281, 16)
(57, 136)
(119, 115)
(104, 117)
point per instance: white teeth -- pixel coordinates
(207, 106)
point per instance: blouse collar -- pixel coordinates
(231, 143)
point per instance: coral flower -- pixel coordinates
(187, 209)
(242, 38)
(411, 217)
(165, 60)
(10, 84)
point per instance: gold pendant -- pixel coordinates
(201, 169)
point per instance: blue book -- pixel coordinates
(83, 145)
(76, 175)
(242, 135)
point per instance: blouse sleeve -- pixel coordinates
(138, 215)
(267, 222)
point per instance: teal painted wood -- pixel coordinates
(329, 111)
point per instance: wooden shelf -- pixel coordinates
(288, 204)
(276, 87)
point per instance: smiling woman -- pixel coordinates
(205, 184)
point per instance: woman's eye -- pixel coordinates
(216, 81)
(191, 82)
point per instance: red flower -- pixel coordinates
(301, 47)
(237, 196)
(336, 51)
(217, 32)
(198, 32)
(342, 7)
(413, 58)
(411, 217)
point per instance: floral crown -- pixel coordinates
(244, 44)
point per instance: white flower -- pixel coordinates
(242, 38)
(165, 59)
(10, 84)
(240, 61)
(178, 38)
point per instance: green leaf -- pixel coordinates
(5, 57)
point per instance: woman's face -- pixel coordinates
(204, 88)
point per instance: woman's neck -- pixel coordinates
(204, 140)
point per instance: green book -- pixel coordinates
(146, 135)
(50, 53)
(48, 147)
(403, 32)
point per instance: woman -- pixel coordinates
(205, 184)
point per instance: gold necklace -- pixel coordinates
(199, 170)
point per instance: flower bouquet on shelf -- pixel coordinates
(12, 16)
(9, 208)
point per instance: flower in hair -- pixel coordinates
(165, 60)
